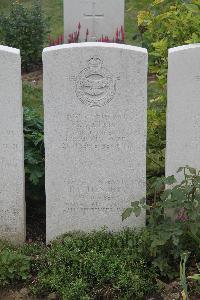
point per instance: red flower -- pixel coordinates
(123, 34)
(117, 35)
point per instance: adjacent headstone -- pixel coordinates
(12, 204)
(183, 112)
(95, 99)
(99, 17)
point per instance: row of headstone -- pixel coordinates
(95, 101)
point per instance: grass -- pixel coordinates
(32, 98)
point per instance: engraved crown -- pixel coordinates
(95, 63)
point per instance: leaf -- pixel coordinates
(195, 277)
(127, 213)
(180, 169)
(191, 170)
(170, 180)
(165, 194)
(143, 201)
(137, 211)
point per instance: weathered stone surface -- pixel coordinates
(12, 205)
(183, 112)
(98, 16)
(95, 135)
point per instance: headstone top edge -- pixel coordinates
(184, 48)
(9, 50)
(95, 45)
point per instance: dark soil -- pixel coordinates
(35, 78)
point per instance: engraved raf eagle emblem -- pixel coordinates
(95, 85)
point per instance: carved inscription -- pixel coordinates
(99, 132)
(103, 194)
(95, 85)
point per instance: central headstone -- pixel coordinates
(99, 17)
(95, 135)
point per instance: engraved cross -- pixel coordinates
(94, 16)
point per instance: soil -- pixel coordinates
(35, 78)
(22, 294)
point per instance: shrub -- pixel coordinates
(168, 23)
(14, 267)
(97, 265)
(25, 28)
(173, 220)
(165, 24)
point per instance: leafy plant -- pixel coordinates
(14, 267)
(163, 25)
(195, 276)
(173, 219)
(34, 151)
(167, 24)
(26, 29)
(97, 265)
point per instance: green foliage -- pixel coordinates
(99, 265)
(195, 276)
(183, 279)
(173, 219)
(91, 266)
(33, 98)
(14, 267)
(162, 25)
(34, 151)
(25, 28)
(167, 24)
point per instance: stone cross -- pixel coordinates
(100, 17)
(95, 98)
(94, 15)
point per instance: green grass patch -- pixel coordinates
(33, 98)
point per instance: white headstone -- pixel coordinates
(100, 17)
(12, 204)
(95, 98)
(183, 112)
